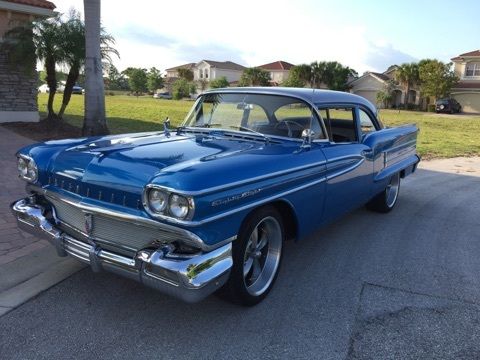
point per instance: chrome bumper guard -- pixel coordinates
(189, 279)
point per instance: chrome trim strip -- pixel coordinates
(344, 171)
(254, 204)
(271, 198)
(240, 182)
(408, 143)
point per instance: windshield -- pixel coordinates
(256, 113)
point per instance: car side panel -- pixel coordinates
(393, 151)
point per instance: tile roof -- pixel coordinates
(36, 3)
(467, 54)
(277, 65)
(380, 75)
(467, 85)
(226, 65)
(184, 66)
(472, 53)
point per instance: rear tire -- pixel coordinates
(257, 254)
(385, 201)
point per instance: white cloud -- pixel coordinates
(165, 34)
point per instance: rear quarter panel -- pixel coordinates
(393, 150)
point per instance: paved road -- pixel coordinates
(404, 285)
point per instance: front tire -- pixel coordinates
(257, 254)
(385, 201)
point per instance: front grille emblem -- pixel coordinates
(88, 224)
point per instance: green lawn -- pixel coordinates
(440, 135)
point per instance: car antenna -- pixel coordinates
(166, 124)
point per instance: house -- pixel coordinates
(210, 70)
(173, 72)
(467, 90)
(18, 87)
(279, 71)
(371, 83)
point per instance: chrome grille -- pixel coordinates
(113, 231)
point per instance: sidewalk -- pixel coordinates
(28, 265)
(13, 242)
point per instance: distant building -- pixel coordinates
(371, 83)
(173, 72)
(467, 90)
(278, 70)
(18, 88)
(209, 70)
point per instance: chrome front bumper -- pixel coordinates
(189, 279)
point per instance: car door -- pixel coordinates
(349, 162)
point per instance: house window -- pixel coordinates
(472, 69)
(200, 72)
(206, 73)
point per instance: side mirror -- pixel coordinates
(307, 136)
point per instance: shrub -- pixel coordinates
(431, 107)
(182, 88)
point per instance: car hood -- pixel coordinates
(129, 163)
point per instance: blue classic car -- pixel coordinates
(209, 205)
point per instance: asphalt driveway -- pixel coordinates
(405, 285)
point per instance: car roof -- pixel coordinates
(314, 96)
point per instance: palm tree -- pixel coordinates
(254, 77)
(95, 121)
(73, 52)
(318, 73)
(38, 40)
(407, 76)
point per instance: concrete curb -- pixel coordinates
(21, 282)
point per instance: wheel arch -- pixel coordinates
(288, 214)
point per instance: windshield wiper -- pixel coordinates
(266, 138)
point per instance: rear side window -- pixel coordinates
(366, 124)
(340, 123)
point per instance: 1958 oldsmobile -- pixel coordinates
(209, 205)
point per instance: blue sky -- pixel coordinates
(365, 35)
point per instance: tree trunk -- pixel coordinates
(52, 88)
(67, 93)
(95, 122)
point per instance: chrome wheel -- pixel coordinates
(262, 256)
(391, 192)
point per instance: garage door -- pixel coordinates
(370, 95)
(470, 102)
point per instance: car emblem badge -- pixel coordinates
(88, 224)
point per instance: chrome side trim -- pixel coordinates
(344, 171)
(241, 182)
(256, 203)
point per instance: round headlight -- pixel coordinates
(32, 171)
(178, 206)
(22, 167)
(157, 200)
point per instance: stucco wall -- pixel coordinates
(9, 20)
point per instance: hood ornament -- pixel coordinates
(88, 224)
(166, 125)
